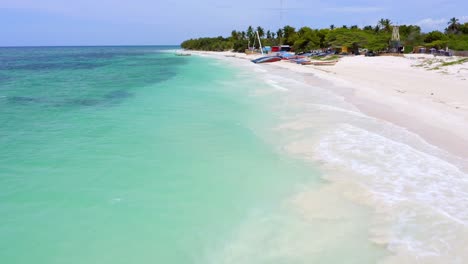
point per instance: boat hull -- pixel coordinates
(323, 63)
(267, 59)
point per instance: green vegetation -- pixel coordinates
(209, 44)
(461, 61)
(438, 63)
(375, 38)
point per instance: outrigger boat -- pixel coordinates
(267, 59)
(302, 61)
(323, 63)
(264, 59)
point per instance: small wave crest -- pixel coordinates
(257, 69)
(275, 85)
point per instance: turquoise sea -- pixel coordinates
(133, 155)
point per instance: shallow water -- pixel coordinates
(131, 154)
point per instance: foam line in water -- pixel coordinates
(412, 191)
(276, 85)
(258, 69)
(339, 109)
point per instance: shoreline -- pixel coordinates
(433, 105)
(381, 142)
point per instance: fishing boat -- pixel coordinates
(267, 59)
(323, 63)
(304, 62)
(294, 57)
(300, 61)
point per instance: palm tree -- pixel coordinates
(234, 35)
(268, 34)
(279, 33)
(344, 26)
(385, 24)
(354, 27)
(250, 32)
(243, 35)
(261, 31)
(332, 27)
(453, 25)
(388, 25)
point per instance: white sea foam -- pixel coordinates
(421, 200)
(168, 50)
(276, 85)
(258, 69)
(342, 110)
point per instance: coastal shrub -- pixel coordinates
(240, 45)
(208, 44)
(434, 36)
(306, 40)
(345, 37)
(377, 42)
(408, 49)
(458, 42)
(438, 44)
(464, 28)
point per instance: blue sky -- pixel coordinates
(140, 22)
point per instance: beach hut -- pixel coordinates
(285, 48)
(267, 49)
(275, 49)
(419, 49)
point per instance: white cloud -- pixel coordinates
(429, 24)
(354, 9)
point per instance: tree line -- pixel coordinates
(375, 38)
